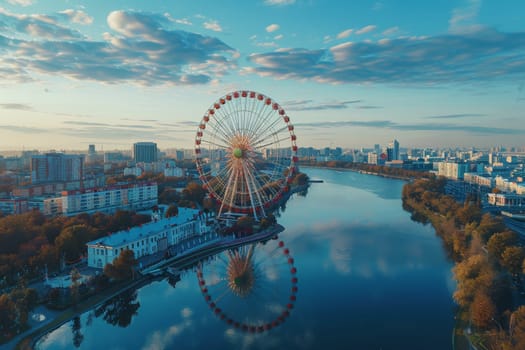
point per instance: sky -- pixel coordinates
(348, 73)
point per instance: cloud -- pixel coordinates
(455, 116)
(23, 129)
(16, 106)
(272, 28)
(485, 55)
(20, 2)
(279, 2)
(378, 5)
(77, 16)
(141, 48)
(213, 25)
(344, 34)
(390, 31)
(36, 26)
(463, 19)
(307, 106)
(184, 21)
(387, 124)
(369, 107)
(366, 29)
(278, 37)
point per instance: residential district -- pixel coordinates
(68, 184)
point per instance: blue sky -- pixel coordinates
(348, 73)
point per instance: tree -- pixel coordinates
(473, 275)
(173, 210)
(122, 266)
(72, 241)
(7, 313)
(482, 311)
(512, 259)
(517, 328)
(498, 242)
(194, 192)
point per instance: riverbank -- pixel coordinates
(388, 176)
(481, 247)
(180, 261)
(28, 341)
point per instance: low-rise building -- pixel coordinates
(509, 200)
(147, 239)
(9, 206)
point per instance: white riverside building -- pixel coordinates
(150, 238)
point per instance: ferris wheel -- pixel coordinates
(253, 288)
(246, 153)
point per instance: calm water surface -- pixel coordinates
(368, 278)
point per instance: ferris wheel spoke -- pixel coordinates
(270, 131)
(206, 141)
(220, 129)
(267, 143)
(263, 122)
(254, 190)
(254, 123)
(227, 124)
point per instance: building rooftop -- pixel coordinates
(135, 233)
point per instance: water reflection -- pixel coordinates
(77, 335)
(119, 311)
(252, 288)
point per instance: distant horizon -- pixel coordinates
(518, 149)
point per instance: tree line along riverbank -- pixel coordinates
(489, 263)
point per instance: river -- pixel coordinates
(353, 272)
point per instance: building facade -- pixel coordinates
(145, 152)
(10, 206)
(150, 238)
(455, 171)
(57, 167)
(110, 199)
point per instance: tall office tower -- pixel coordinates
(145, 152)
(55, 167)
(393, 150)
(92, 154)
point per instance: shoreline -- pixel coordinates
(404, 178)
(29, 341)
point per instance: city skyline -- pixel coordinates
(74, 73)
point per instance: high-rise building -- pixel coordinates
(57, 167)
(393, 150)
(145, 152)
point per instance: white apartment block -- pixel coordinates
(110, 199)
(451, 170)
(149, 238)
